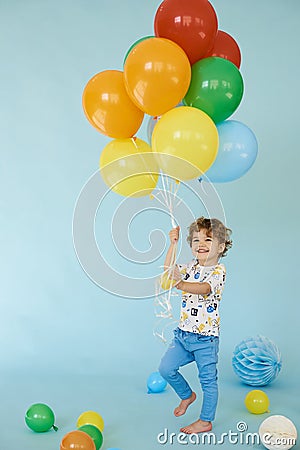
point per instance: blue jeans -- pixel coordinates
(185, 348)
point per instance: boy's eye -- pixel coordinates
(208, 239)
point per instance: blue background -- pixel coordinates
(65, 341)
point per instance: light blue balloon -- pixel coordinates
(236, 154)
(156, 383)
(152, 121)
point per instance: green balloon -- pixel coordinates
(94, 433)
(216, 88)
(134, 44)
(40, 417)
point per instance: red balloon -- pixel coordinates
(226, 47)
(192, 24)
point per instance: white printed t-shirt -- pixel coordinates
(200, 313)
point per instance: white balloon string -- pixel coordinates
(162, 301)
(160, 329)
(157, 195)
(166, 191)
(148, 172)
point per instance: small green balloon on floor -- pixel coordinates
(40, 418)
(94, 433)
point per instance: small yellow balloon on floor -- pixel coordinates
(257, 402)
(91, 418)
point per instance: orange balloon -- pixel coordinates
(157, 75)
(108, 107)
(77, 440)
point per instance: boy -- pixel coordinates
(197, 336)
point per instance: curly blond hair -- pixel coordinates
(214, 228)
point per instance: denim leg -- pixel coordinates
(176, 356)
(206, 359)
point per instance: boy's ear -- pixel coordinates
(221, 248)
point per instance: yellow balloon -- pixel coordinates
(186, 141)
(257, 402)
(165, 282)
(129, 167)
(91, 418)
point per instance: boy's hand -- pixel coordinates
(174, 235)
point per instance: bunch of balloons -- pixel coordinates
(40, 418)
(186, 78)
(88, 435)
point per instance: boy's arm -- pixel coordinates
(171, 256)
(215, 284)
(194, 288)
(191, 288)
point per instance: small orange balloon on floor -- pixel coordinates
(77, 440)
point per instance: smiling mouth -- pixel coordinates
(202, 251)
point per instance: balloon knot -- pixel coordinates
(54, 428)
(200, 179)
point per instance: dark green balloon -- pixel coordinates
(40, 417)
(94, 433)
(216, 88)
(134, 44)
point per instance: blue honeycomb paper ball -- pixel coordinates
(256, 361)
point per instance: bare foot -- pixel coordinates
(200, 426)
(184, 404)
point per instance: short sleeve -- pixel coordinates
(185, 270)
(182, 268)
(216, 280)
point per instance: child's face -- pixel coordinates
(206, 248)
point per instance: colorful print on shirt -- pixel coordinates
(200, 313)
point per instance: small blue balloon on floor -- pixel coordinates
(156, 383)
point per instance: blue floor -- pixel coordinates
(134, 419)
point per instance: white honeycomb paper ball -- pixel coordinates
(277, 432)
